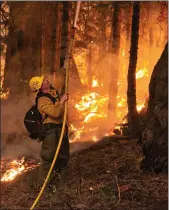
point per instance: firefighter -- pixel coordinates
(52, 114)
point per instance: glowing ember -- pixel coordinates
(4, 95)
(95, 138)
(117, 127)
(95, 83)
(142, 73)
(124, 121)
(140, 107)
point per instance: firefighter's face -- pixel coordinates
(45, 84)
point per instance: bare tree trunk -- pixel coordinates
(59, 78)
(48, 28)
(65, 29)
(128, 27)
(115, 62)
(131, 91)
(23, 50)
(42, 63)
(89, 67)
(102, 47)
(57, 37)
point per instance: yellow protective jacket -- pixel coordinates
(53, 111)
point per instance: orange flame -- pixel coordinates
(140, 107)
(95, 82)
(89, 107)
(90, 103)
(142, 73)
(17, 168)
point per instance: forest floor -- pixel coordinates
(104, 176)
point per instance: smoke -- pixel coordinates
(27, 148)
(86, 133)
(14, 137)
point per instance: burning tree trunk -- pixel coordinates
(155, 135)
(115, 62)
(131, 92)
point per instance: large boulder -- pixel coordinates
(155, 135)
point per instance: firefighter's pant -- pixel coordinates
(49, 146)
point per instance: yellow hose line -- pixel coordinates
(61, 136)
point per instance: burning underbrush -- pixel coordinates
(12, 168)
(88, 117)
(88, 121)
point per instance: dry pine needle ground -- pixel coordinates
(104, 176)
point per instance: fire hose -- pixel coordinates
(65, 110)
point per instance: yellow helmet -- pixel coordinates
(35, 83)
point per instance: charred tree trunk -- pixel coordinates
(131, 91)
(155, 135)
(115, 54)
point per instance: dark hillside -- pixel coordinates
(104, 176)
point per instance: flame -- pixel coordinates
(87, 101)
(16, 167)
(90, 108)
(95, 138)
(87, 118)
(76, 131)
(121, 103)
(140, 107)
(95, 82)
(90, 103)
(124, 121)
(142, 73)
